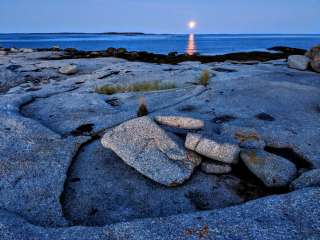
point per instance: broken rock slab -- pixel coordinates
(272, 170)
(180, 122)
(307, 179)
(223, 152)
(143, 145)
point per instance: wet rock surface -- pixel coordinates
(56, 173)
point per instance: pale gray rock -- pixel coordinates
(3, 53)
(223, 152)
(143, 145)
(68, 70)
(307, 179)
(26, 50)
(298, 62)
(272, 170)
(180, 122)
(215, 168)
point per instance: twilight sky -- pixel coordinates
(162, 16)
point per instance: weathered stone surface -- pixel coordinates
(146, 147)
(3, 53)
(33, 166)
(272, 170)
(69, 69)
(298, 62)
(215, 168)
(223, 152)
(307, 179)
(291, 216)
(180, 122)
(314, 54)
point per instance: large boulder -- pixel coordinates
(143, 145)
(180, 122)
(314, 55)
(68, 69)
(223, 152)
(272, 170)
(298, 62)
(307, 179)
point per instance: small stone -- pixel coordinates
(180, 122)
(298, 62)
(272, 170)
(215, 168)
(227, 153)
(143, 145)
(69, 69)
(26, 50)
(307, 179)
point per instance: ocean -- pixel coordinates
(209, 44)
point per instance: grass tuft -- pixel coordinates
(204, 78)
(143, 109)
(135, 87)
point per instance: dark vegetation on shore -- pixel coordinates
(175, 58)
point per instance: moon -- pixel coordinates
(192, 24)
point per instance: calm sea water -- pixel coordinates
(204, 44)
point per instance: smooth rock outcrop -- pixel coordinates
(143, 145)
(293, 216)
(3, 53)
(298, 62)
(68, 70)
(307, 179)
(215, 168)
(223, 152)
(272, 170)
(180, 122)
(314, 55)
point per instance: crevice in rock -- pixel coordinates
(69, 178)
(224, 119)
(109, 74)
(264, 117)
(252, 187)
(224, 70)
(290, 154)
(85, 129)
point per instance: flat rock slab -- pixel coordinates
(272, 170)
(180, 122)
(223, 152)
(143, 145)
(215, 168)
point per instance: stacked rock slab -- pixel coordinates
(180, 122)
(307, 179)
(226, 153)
(215, 168)
(272, 170)
(143, 145)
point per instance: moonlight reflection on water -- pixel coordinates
(191, 48)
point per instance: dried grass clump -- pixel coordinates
(135, 87)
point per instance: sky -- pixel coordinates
(162, 16)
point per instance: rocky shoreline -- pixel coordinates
(122, 145)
